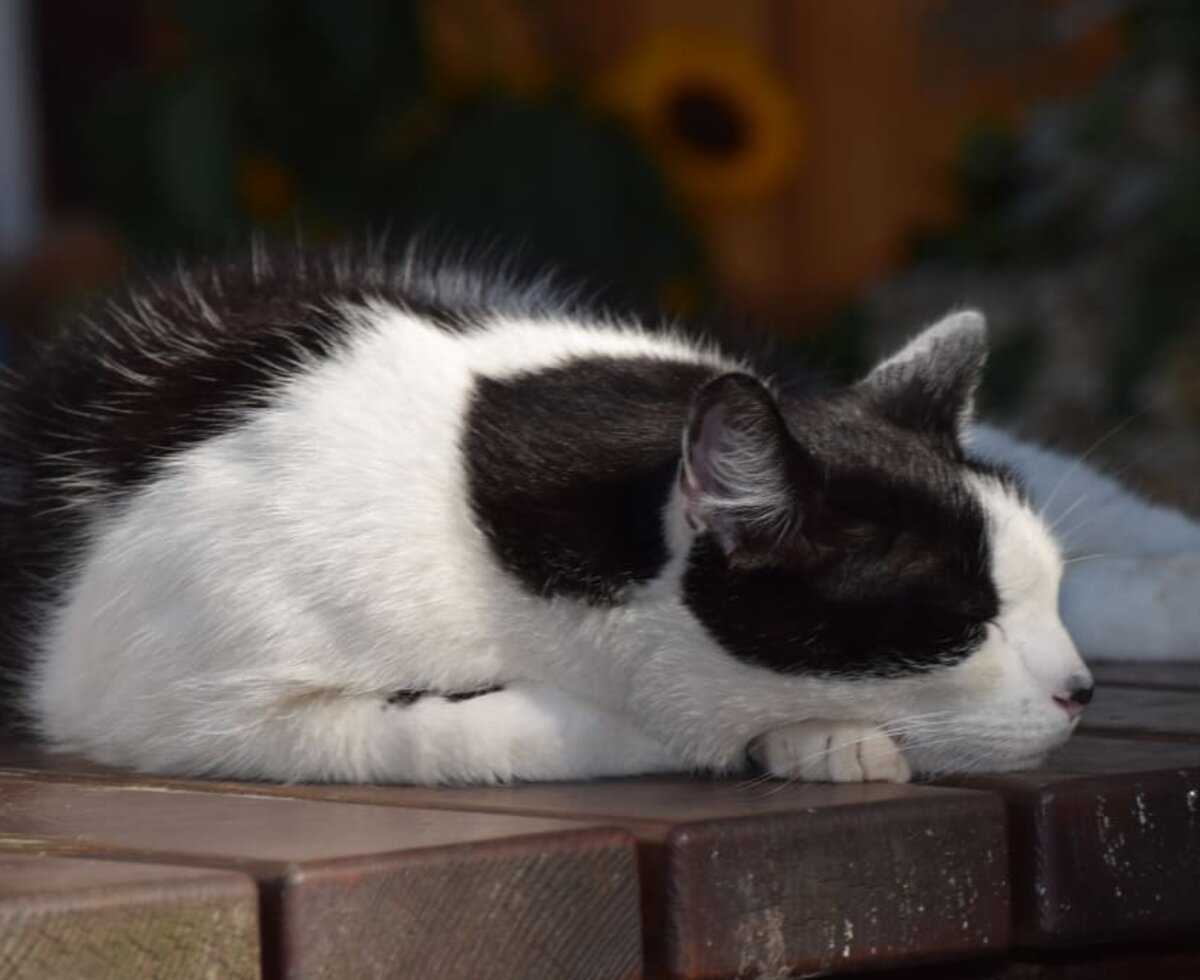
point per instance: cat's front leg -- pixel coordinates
(518, 731)
(830, 751)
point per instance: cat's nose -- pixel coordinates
(1079, 692)
(1082, 694)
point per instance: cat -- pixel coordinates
(352, 519)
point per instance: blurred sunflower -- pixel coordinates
(720, 120)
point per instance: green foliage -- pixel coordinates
(1111, 181)
(323, 115)
(838, 350)
(577, 188)
(1010, 363)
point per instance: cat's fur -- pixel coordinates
(358, 521)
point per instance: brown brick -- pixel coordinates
(1105, 842)
(354, 891)
(108, 920)
(837, 887)
(1110, 964)
(1144, 713)
(1149, 961)
(773, 870)
(739, 877)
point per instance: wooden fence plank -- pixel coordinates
(354, 891)
(107, 920)
(1169, 675)
(1144, 713)
(1105, 842)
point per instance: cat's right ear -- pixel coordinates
(929, 385)
(744, 477)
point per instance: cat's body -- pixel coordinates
(358, 523)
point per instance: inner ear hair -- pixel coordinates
(742, 474)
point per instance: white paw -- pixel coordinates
(834, 752)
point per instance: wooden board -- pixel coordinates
(738, 875)
(1172, 676)
(367, 891)
(1145, 963)
(837, 888)
(1144, 713)
(107, 920)
(1105, 842)
(1157, 961)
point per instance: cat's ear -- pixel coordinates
(744, 479)
(929, 385)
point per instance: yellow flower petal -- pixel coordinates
(722, 123)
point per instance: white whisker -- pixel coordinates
(1080, 460)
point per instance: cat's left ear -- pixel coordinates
(929, 385)
(744, 478)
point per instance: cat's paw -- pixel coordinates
(832, 752)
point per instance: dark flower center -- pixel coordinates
(706, 121)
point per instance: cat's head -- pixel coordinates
(852, 536)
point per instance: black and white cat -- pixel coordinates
(352, 521)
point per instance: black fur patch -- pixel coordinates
(569, 469)
(408, 697)
(890, 575)
(457, 696)
(404, 698)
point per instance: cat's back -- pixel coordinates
(192, 355)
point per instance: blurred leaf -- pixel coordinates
(578, 191)
(988, 170)
(118, 146)
(369, 46)
(325, 109)
(1009, 369)
(220, 25)
(834, 352)
(195, 155)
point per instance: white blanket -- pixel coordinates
(1132, 585)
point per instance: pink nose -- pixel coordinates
(1073, 708)
(1073, 701)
